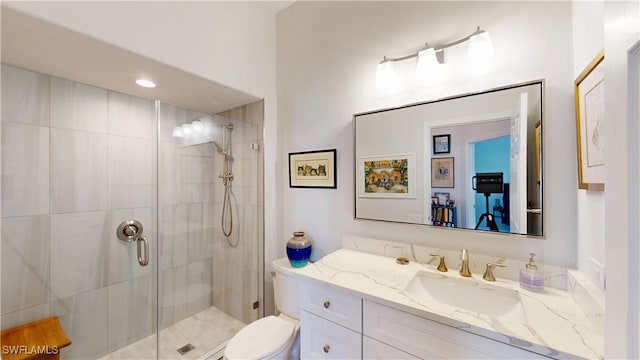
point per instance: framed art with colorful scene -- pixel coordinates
(387, 176)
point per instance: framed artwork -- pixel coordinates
(590, 124)
(441, 144)
(387, 176)
(435, 200)
(313, 169)
(538, 145)
(443, 197)
(442, 172)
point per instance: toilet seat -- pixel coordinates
(261, 339)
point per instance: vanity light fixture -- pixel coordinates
(197, 126)
(146, 83)
(178, 132)
(386, 75)
(430, 57)
(427, 65)
(186, 129)
(480, 52)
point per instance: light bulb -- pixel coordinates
(386, 76)
(178, 132)
(197, 126)
(186, 128)
(480, 53)
(427, 67)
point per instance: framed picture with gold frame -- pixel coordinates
(590, 124)
(538, 145)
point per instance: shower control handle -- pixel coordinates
(131, 230)
(143, 259)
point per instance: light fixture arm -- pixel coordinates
(439, 50)
(454, 43)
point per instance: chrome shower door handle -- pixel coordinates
(143, 256)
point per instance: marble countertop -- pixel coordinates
(553, 324)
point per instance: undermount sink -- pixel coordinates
(472, 295)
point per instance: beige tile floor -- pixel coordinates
(207, 331)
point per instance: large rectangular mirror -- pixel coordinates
(471, 161)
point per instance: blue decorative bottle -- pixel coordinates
(299, 249)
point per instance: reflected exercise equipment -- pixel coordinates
(487, 184)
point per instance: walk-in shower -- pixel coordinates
(86, 158)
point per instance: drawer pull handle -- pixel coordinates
(326, 349)
(326, 304)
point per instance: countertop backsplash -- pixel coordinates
(555, 277)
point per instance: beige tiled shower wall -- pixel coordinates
(237, 264)
(76, 161)
(199, 266)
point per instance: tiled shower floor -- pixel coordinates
(206, 331)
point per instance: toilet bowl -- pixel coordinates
(272, 337)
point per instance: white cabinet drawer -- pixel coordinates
(373, 349)
(322, 339)
(331, 304)
(429, 339)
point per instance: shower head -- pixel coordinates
(220, 149)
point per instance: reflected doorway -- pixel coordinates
(491, 155)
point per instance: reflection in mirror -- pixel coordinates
(471, 161)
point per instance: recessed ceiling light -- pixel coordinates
(146, 83)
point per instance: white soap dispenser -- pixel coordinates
(530, 277)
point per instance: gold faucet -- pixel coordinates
(442, 267)
(464, 268)
(488, 274)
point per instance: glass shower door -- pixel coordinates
(77, 161)
(114, 225)
(208, 282)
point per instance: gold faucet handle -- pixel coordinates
(442, 267)
(488, 274)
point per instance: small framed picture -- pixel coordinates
(313, 169)
(443, 198)
(435, 200)
(442, 144)
(442, 172)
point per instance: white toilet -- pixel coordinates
(272, 337)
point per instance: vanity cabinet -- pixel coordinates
(330, 323)
(323, 339)
(374, 349)
(335, 324)
(428, 339)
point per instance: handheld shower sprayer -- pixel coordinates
(220, 149)
(227, 178)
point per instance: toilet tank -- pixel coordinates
(286, 288)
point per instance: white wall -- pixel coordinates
(588, 40)
(621, 32)
(597, 211)
(327, 54)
